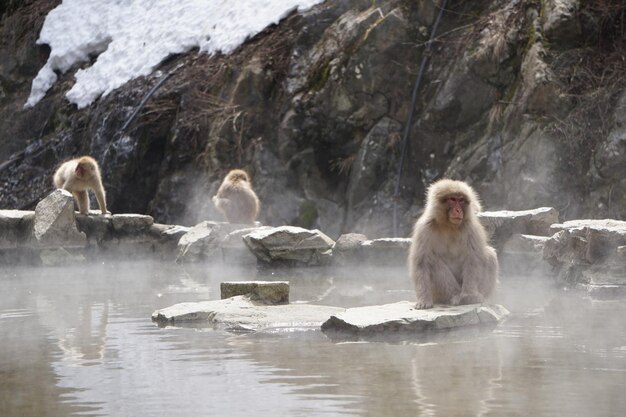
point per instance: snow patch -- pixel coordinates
(132, 37)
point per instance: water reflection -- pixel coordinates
(77, 342)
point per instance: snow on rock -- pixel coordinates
(131, 37)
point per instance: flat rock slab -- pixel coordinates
(240, 313)
(268, 292)
(403, 317)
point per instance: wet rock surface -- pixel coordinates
(242, 314)
(501, 225)
(586, 254)
(402, 317)
(290, 245)
(268, 292)
(55, 222)
(589, 254)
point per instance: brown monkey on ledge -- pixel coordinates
(236, 199)
(78, 176)
(450, 261)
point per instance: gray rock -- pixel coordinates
(169, 231)
(403, 317)
(97, 227)
(501, 225)
(131, 223)
(59, 257)
(234, 249)
(561, 22)
(15, 227)
(347, 248)
(204, 241)
(240, 313)
(268, 292)
(386, 251)
(55, 223)
(291, 245)
(582, 249)
(197, 244)
(524, 254)
(604, 281)
(356, 249)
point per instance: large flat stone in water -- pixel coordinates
(240, 313)
(403, 317)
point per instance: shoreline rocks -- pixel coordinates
(586, 254)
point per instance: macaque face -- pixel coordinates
(456, 204)
(85, 170)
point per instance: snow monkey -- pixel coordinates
(449, 259)
(78, 176)
(236, 199)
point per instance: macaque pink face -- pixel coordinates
(455, 209)
(80, 171)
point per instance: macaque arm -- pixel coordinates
(422, 279)
(101, 199)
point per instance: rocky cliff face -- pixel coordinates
(526, 100)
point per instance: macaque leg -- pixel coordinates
(101, 200)
(82, 199)
(434, 283)
(479, 281)
(445, 285)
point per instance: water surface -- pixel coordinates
(80, 341)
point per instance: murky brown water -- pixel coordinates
(85, 345)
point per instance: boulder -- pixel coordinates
(234, 249)
(15, 227)
(268, 292)
(240, 313)
(131, 223)
(59, 257)
(346, 248)
(587, 251)
(290, 245)
(97, 227)
(386, 251)
(55, 223)
(203, 242)
(524, 254)
(501, 225)
(561, 21)
(353, 248)
(402, 317)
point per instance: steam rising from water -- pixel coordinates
(74, 342)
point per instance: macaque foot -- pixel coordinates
(423, 305)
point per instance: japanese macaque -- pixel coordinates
(450, 261)
(78, 176)
(236, 199)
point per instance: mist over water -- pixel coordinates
(80, 341)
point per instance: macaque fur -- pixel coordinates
(450, 261)
(78, 176)
(236, 199)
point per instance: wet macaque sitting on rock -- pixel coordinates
(236, 199)
(450, 261)
(78, 176)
